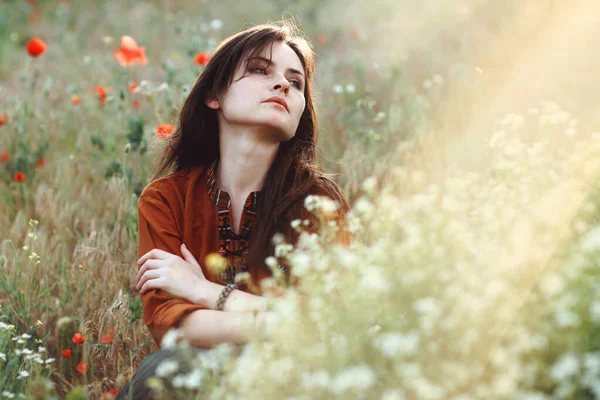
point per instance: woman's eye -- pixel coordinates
(297, 83)
(262, 70)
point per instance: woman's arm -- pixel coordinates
(237, 301)
(208, 328)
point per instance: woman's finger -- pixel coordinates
(150, 284)
(188, 256)
(148, 265)
(154, 253)
(150, 274)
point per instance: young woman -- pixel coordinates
(240, 164)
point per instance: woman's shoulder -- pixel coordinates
(174, 184)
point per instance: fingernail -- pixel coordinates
(183, 244)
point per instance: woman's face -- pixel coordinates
(245, 103)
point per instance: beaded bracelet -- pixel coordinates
(223, 295)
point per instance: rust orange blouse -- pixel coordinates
(188, 207)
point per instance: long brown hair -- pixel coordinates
(294, 173)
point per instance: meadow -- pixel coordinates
(464, 134)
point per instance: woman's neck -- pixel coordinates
(243, 165)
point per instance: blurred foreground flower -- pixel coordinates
(130, 53)
(3, 119)
(75, 100)
(36, 47)
(4, 157)
(164, 130)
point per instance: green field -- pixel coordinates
(465, 136)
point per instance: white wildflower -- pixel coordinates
(163, 87)
(595, 311)
(565, 367)
(301, 263)
(374, 279)
(193, 379)
(552, 285)
(363, 206)
(566, 318)
(282, 250)
(26, 336)
(370, 184)
(170, 338)
(312, 202)
(271, 262)
(3, 326)
(216, 24)
(437, 78)
(49, 360)
(3, 356)
(8, 394)
(178, 381)
(393, 394)
(338, 89)
(394, 343)
(316, 379)
(23, 374)
(591, 241)
(167, 368)
(360, 377)
(350, 88)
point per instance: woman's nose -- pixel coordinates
(281, 84)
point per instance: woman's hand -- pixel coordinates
(182, 277)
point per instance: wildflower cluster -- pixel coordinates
(453, 289)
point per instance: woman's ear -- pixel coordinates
(212, 102)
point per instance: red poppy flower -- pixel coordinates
(112, 330)
(36, 47)
(78, 338)
(136, 104)
(101, 92)
(19, 176)
(4, 157)
(66, 353)
(164, 130)
(75, 100)
(202, 58)
(132, 86)
(130, 53)
(83, 367)
(107, 339)
(41, 162)
(109, 394)
(3, 119)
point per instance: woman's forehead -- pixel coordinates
(274, 52)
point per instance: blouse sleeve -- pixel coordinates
(157, 229)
